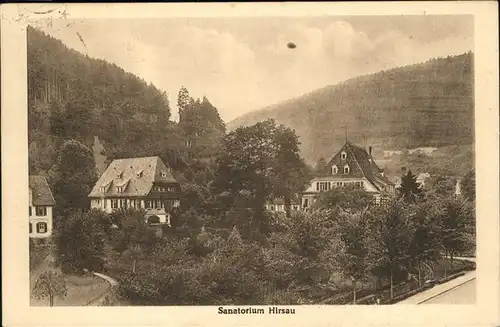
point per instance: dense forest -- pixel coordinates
(427, 104)
(73, 96)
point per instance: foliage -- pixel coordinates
(468, 186)
(353, 257)
(390, 241)
(410, 190)
(80, 242)
(73, 177)
(456, 217)
(441, 187)
(425, 243)
(132, 236)
(349, 197)
(259, 163)
(50, 285)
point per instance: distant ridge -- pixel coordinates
(425, 104)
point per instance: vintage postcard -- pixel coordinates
(250, 164)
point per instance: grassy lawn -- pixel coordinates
(81, 289)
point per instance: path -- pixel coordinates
(459, 290)
(463, 294)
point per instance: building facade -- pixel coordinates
(41, 203)
(142, 183)
(278, 205)
(351, 165)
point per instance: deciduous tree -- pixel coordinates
(73, 177)
(50, 285)
(390, 241)
(353, 257)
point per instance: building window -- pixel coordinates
(343, 155)
(119, 175)
(148, 204)
(171, 189)
(157, 204)
(139, 174)
(31, 228)
(119, 189)
(322, 186)
(359, 184)
(30, 211)
(105, 203)
(346, 169)
(306, 202)
(114, 204)
(123, 203)
(272, 207)
(335, 169)
(41, 211)
(41, 227)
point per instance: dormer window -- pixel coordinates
(335, 169)
(343, 155)
(104, 188)
(346, 169)
(163, 174)
(139, 174)
(119, 174)
(119, 189)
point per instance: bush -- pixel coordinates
(80, 242)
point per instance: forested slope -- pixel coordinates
(74, 96)
(426, 104)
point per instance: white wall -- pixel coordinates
(48, 219)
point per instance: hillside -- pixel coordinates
(427, 104)
(71, 95)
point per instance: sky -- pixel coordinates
(244, 64)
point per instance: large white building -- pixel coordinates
(350, 165)
(142, 183)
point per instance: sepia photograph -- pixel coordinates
(253, 164)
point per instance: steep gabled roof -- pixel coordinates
(361, 164)
(136, 175)
(42, 195)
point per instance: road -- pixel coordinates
(461, 290)
(462, 294)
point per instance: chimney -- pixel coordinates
(370, 150)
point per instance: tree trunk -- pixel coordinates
(51, 299)
(288, 206)
(419, 275)
(354, 292)
(392, 286)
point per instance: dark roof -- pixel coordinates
(361, 164)
(136, 175)
(41, 196)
